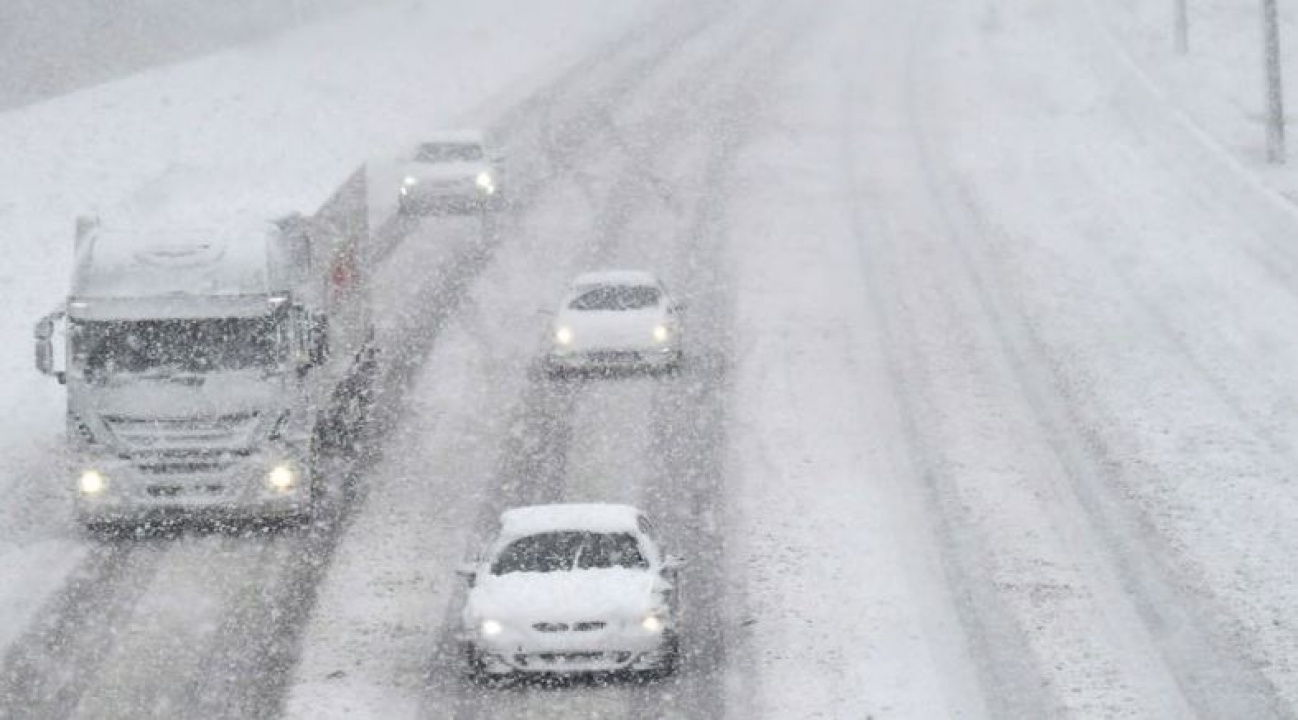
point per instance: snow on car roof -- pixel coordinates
(616, 277)
(595, 517)
(476, 137)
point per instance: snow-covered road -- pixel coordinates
(988, 409)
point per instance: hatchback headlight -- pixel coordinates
(281, 477)
(91, 482)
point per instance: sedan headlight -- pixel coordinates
(485, 182)
(563, 335)
(410, 181)
(281, 477)
(491, 627)
(662, 333)
(652, 623)
(91, 482)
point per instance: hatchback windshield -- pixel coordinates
(176, 345)
(616, 297)
(448, 152)
(569, 550)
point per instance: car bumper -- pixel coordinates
(614, 359)
(447, 200)
(229, 489)
(609, 652)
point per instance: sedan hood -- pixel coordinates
(612, 329)
(577, 596)
(433, 172)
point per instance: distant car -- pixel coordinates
(616, 319)
(571, 589)
(454, 172)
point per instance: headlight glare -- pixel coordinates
(91, 482)
(486, 182)
(491, 627)
(563, 335)
(281, 477)
(652, 623)
(662, 333)
(410, 181)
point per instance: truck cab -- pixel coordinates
(208, 367)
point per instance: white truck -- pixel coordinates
(211, 367)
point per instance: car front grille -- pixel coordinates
(558, 660)
(554, 627)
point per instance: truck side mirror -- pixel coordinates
(44, 335)
(317, 339)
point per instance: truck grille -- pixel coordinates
(220, 432)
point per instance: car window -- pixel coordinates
(568, 550)
(616, 297)
(448, 152)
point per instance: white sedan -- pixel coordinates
(616, 319)
(452, 172)
(575, 588)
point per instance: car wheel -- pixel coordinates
(671, 653)
(475, 670)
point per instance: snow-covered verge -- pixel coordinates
(1218, 85)
(279, 123)
(52, 47)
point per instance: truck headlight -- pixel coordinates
(662, 333)
(281, 477)
(491, 627)
(652, 623)
(410, 181)
(485, 182)
(563, 335)
(91, 482)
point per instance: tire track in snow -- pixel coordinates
(638, 192)
(1212, 678)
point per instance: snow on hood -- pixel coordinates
(445, 171)
(612, 328)
(186, 395)
(579, 595)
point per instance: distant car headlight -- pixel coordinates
(652, 623)
(491, 627)
(662, 333)
(410, 181)
(91, 482)
(563, 335)
(485, 182)
(281, 477)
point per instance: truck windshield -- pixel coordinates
(138, 346)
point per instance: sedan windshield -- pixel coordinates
(448, 152)
(106, 348)
(616, 297)
(570, 550)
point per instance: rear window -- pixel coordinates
(616, 297)
(569, 550)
